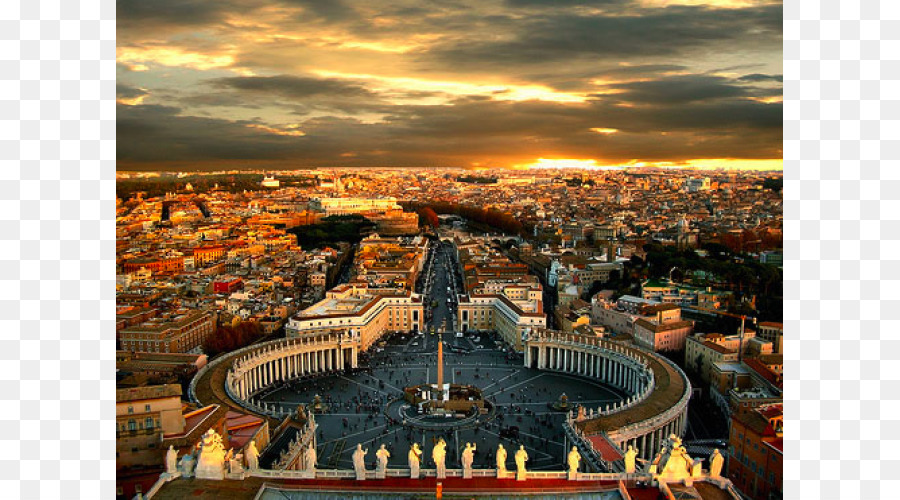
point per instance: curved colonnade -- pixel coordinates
(656, 406)
(658, 391)
(254, 369)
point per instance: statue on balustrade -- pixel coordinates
(501, 460)
(630, 460)
(521, 458)
(359, 462)
(439, 455)
(415, 458)
(171, 461)
(574, 460)
(716, 460)
(382, 455)
(211, 462)
(468, 458)
(252, 456)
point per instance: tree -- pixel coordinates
(428, 217)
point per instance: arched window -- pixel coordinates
(148, 423)
(132, 425)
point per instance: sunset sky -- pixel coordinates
(210, 84)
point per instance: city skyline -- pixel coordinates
(269, 84)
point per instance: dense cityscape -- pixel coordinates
(619, 329)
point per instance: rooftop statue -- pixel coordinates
(439, 455)
(521, 458)
(574, 460)
(501, 460)
(414, 457)
(211, 463)
(359, 462)
(630, 460)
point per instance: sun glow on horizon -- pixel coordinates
(700, 164)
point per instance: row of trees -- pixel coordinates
(428, 217)
(227, 338)
(496, 219)
(474, 179)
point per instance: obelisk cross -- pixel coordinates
(440, 367)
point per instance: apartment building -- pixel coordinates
(181, 330)
(756, 452)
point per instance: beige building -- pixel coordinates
(497, 312)
(660, 328)
(358, 309)
(143, 416)
(772, 332)
(704, 350)
(182, 330)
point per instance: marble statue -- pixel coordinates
(252, 456)
(630, 460)
(359, 462)
(171, 461)
(211, 463)
(468, 458)
(439, 455)
(521, 458)
(382, 455)
(236, 465)
(673, 463)
(186, 465)
(311, 458)
(414, 457)
(501, 460)
(716, 460)
(574, 459)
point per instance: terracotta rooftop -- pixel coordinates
(718, 347)
(662, 327)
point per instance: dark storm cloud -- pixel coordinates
(154, 133)
(681, 89)
(126, 92)
(143, 14)
(658, 32)
(563, 3)
(759, 77)
(451, 134)
(330, 10)
(294, 86)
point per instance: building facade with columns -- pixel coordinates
(362, 311)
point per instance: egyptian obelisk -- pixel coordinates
(440, 367)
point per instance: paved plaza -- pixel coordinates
(357, 400)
